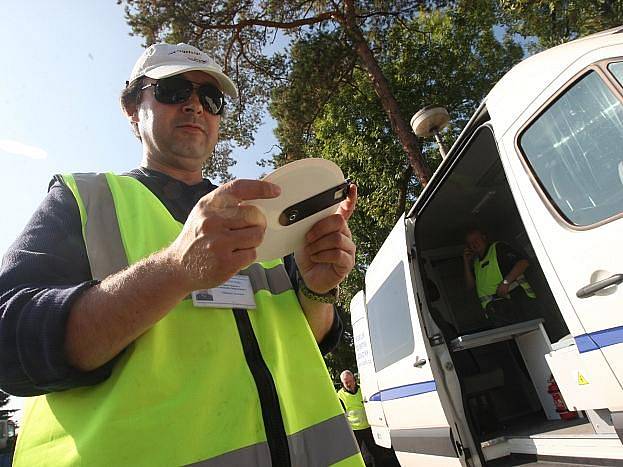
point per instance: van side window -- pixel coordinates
(575, 149)
(389, 320)
(617, 70)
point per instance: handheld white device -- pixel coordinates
(311, 189)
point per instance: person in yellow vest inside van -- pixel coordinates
(497, 270)
(352, 402)
(98, 319)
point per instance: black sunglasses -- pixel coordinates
(177, 90)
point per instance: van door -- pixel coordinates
(572, 149)
(367, 374)
(3, 434)
(420, 431)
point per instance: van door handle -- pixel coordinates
(419, 362)
(590, 289)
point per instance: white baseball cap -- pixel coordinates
(163, 60)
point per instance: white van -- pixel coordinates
(7, 433)
(539, 166)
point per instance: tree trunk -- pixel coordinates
(390, 105)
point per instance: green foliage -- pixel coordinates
(321, 63)
(552, 22)
(343, 358)
(4, 400)
(241, 35)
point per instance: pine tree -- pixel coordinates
(4, 400)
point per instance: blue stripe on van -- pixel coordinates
(598, 339)
(404, 391)
(585, 343)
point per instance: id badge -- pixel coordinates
(237, 292)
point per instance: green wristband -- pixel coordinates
(330, 297)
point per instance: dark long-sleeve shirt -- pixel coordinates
(507, 257)
(47, 268)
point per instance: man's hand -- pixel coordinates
(218, 239)
(328, 255)
(502, 290)
(220, 236)
(468, 255)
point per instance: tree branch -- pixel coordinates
(228, 53)
(328, 16)
(262, 69)
(388, 101)
(395, 14)
(340, 79)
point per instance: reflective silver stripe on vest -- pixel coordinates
(521, 280)
(256, 455)
(275, 280)
(323, 444)
(486, 299)
(102, 235)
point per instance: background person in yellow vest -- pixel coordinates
(96, 321)
(352, 402)
(497, 270)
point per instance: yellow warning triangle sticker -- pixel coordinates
(581, 379)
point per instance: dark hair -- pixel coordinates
(474, 228)
(130, 98)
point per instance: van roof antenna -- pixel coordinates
(429, 121)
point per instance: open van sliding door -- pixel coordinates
(420, 431)
(367, 373)
(572, 151)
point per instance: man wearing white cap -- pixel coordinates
(99, 320)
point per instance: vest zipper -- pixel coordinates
(267, 392)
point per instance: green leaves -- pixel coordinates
(4, 400)
(552, 22)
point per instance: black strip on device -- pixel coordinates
(310, 206)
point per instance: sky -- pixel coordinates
(64, 66)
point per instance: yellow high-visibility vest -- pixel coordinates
(488, 277)
(211, 387)
(355, 412)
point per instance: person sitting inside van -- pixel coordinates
(496, 270)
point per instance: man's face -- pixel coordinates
(477, 242)
(178, 135)
(348, 381)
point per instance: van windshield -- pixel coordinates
(574, 149)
